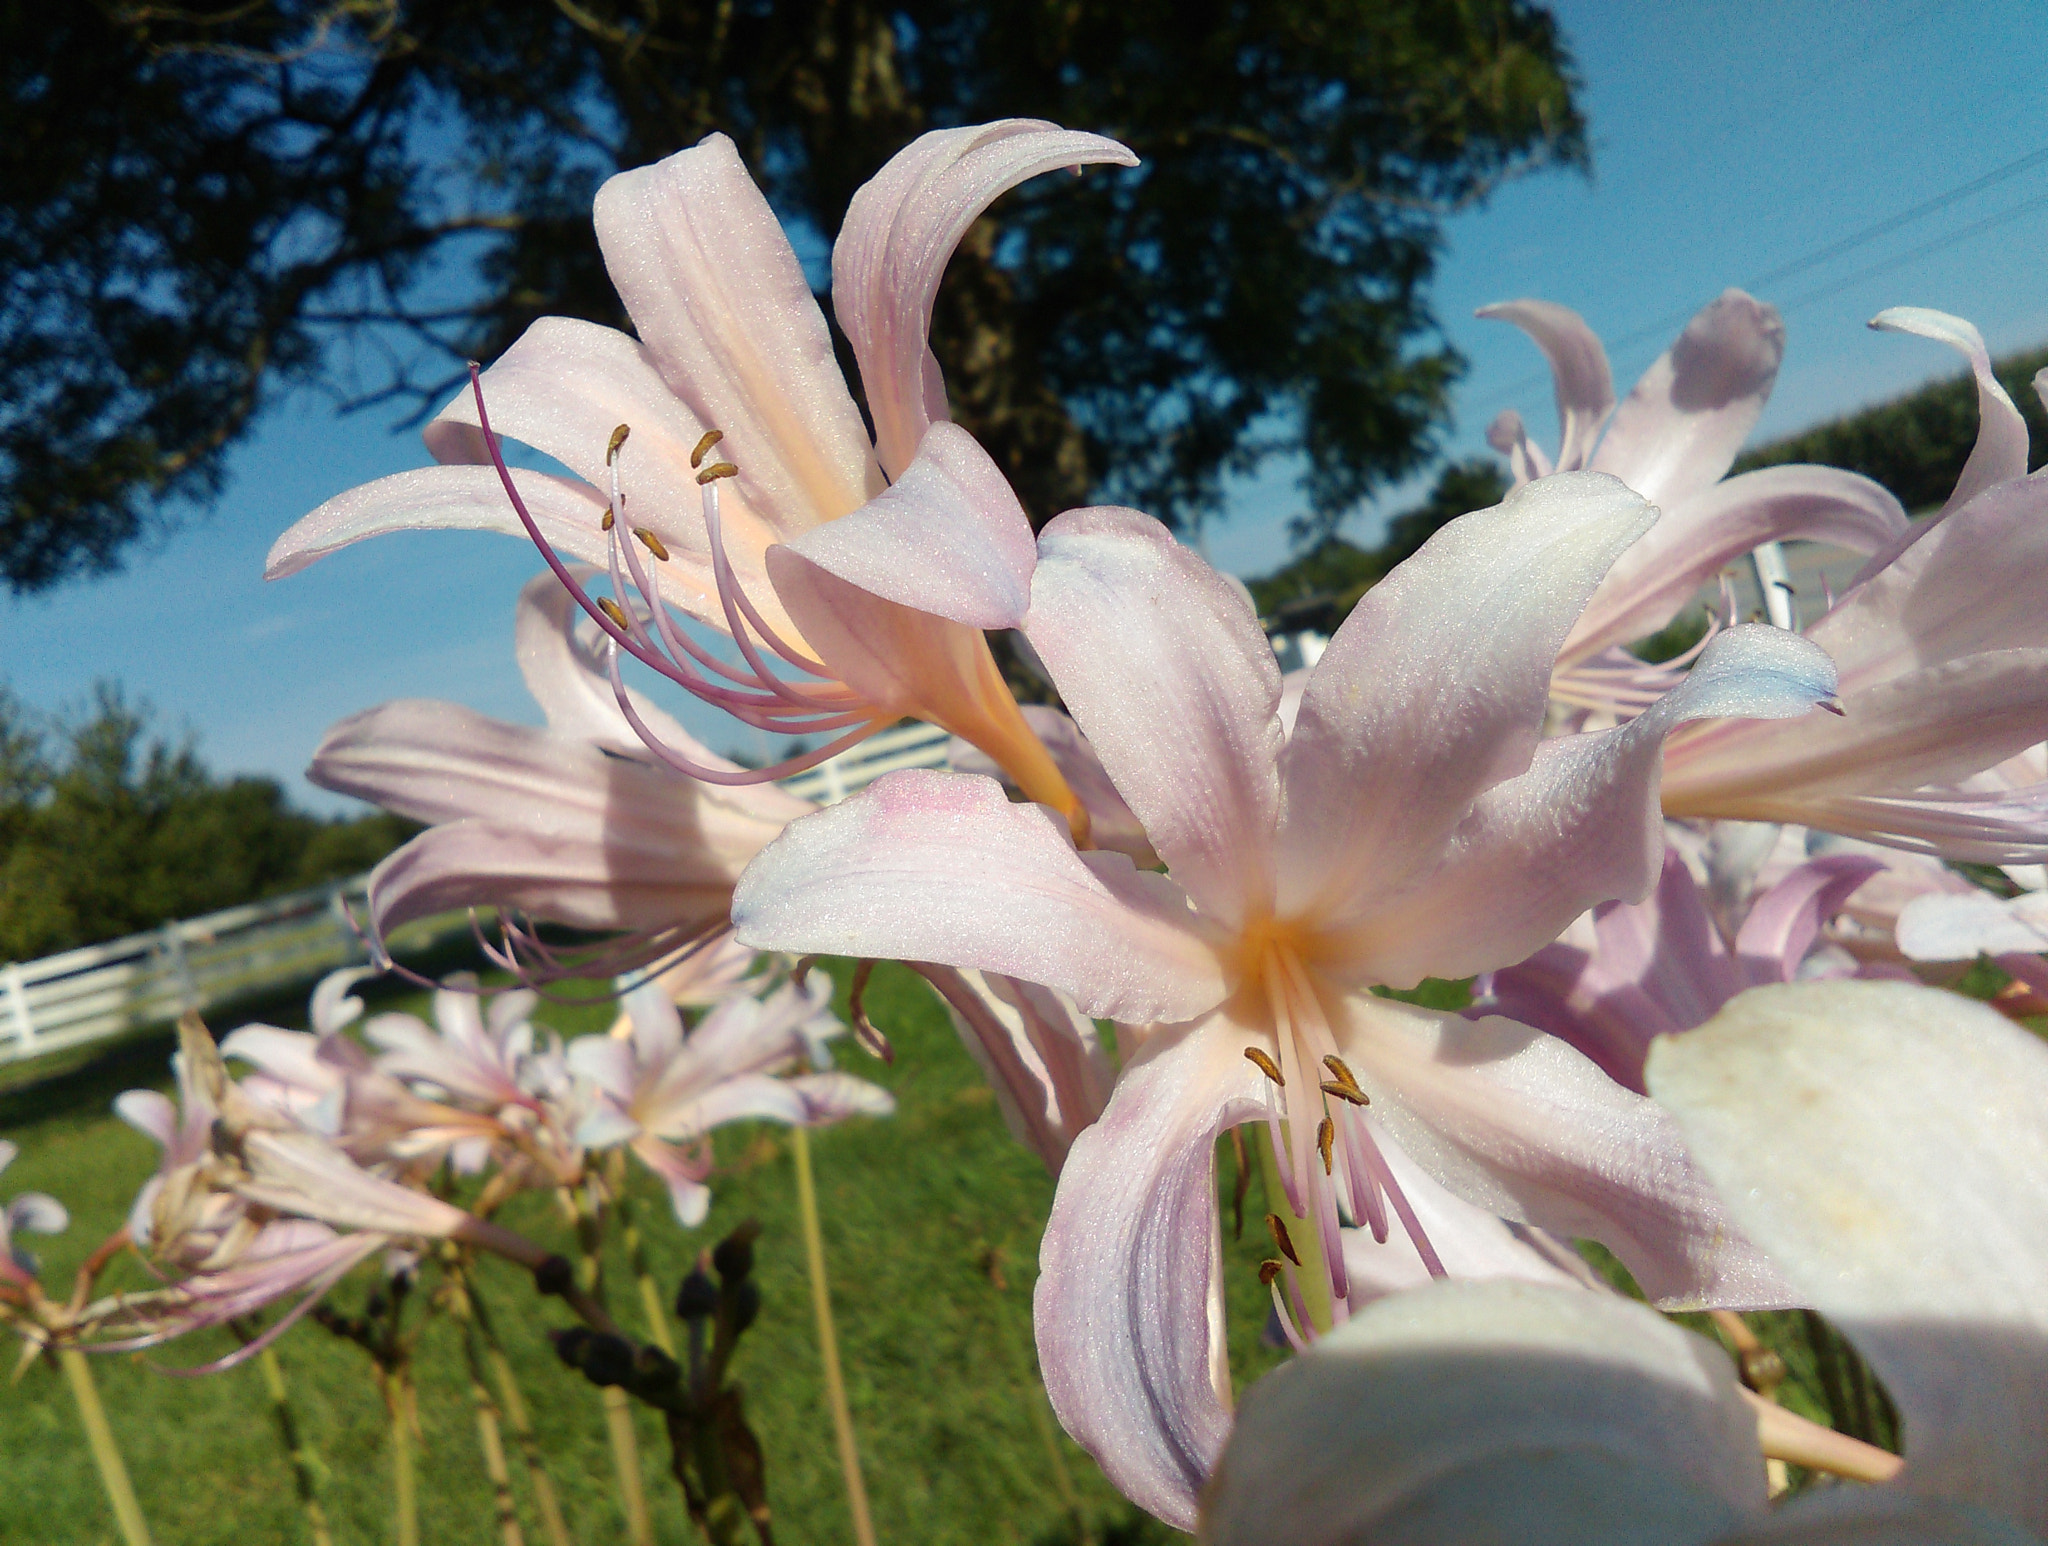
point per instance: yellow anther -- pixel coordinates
(607, 523)
(612, 610)
(1269, 1269)
(618, 439)
(653, 543)
(1326, 1138)
(1280, 1238)
(1264, 1065)
(716, 471)
(1344, 1092)
(711, 438)
(1337, 1066)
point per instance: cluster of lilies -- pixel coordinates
(1707, 902)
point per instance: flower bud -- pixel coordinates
(698, 1297)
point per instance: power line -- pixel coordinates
(1836, 249)
(2004, 217)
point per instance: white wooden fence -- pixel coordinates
(265, 947)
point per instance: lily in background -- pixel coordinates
(1887, 1145)
(577, 824)
(28, 1212)
(1413, 824)
(854, 577)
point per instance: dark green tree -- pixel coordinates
(202, 204)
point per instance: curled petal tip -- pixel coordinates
(1833, 706)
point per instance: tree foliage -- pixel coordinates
(106, 829)
(202, 203)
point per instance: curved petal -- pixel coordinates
(39, 1213)
(1435, 687)
(1933, 726)
(1526, 460)
(1885, 1143)
(445, 498)
(1469, 1412)
(1579, 828)
(2000, 453)
(1698, 535)
(1786, 920)
(1680, 428)
(930, 866)
(1165, 669)
(900, 231)
(948, 537)
(1521, 1125)
(1129, 1304)
(1578, 365)
(721, 303)
(147, 1111)
(1111, 822)
(333, 1006)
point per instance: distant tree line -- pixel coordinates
(107, 828)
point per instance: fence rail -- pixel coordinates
(106, 990)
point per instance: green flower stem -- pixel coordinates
(106, 1455)
(305, 1469)
(828, 1341)
(1313, 1273)
(650, 1291)
(516, 1415)
(404, 1481)
(618, 1406)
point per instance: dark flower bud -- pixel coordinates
(746, 1305)
(376, 1306)
(654, 1370)
(698, 1297)
(554, 1276)
(734, 1255)
(607, 1360)
(571, 1345)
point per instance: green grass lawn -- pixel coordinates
(931, 1221)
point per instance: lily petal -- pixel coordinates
(1679, 430)
(719, 299)
(1505, 1411)
(2000, 453)
(1578, 365)
(1165, 668)
(1434, 689)
(1111, 822)
(1518, 1123)
(948, 537)
(1885, 1143)
(900, 231)
(1579, 828)
(1963, 926)
(930, 866)
(1129, 1305)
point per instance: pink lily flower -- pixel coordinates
(1886, 1143)
(35, 1212)
(663, 1089)
(1673, 442)
(1412, 824)
(576, 824)
(869, 570)
(1636, 971)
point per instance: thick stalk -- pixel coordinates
(405, 1499)
(106, 1455)
(304, 1473)
(544, 1499)
(489, 1438)
(828, 1342)
(650, 1291)
(1313, 1273)
(618, 1422)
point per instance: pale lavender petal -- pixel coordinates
(445, 499)
(1128, 1306)
(1971, 828)
(1468, 1412)
(1166, 670)
(1680, 428)
(1435, 687)
(1700, 534)
(333, 1005)
(300, 1174)
(2000, 453)
(1526, 461)
(947, 537)
(1963, 926)
(1885, 1144)
(148, 1112)
(834, 1096)
(1578, 365)
(900, 231)
(1111, 822)
(1786, 920)
(38, 1212)
(1579, 828)
(930, 866)
(683, 1174)
(723, 307)
(1517, 1123)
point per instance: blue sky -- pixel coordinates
(1730, 141)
